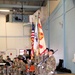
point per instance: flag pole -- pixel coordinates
(37, 48)
(38, 33)
(38, 40)
(35, 43)
(35, 32)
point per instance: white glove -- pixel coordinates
(52, 72)
(42, 66)
(39, 65)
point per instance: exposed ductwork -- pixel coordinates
(18, 6)
(24, 6)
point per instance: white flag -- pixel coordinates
(36, 38)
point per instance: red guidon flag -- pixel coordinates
(42, 44)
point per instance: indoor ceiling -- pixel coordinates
(22, 6)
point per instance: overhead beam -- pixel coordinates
(25, 13)
(19, 6)
(33, 0)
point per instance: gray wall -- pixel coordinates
(59, 29)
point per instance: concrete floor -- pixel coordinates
(65, 74)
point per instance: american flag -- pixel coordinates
(32, 39)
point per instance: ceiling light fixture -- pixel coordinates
(4, 10)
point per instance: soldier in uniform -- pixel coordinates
(41, 65)
(50, 63)
(45, 55)
(22, 67)
(1, 61)
(14, 68)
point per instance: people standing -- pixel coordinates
(45, 55)
(41, 65)
(50, 63)
(25, 56)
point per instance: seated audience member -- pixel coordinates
(8, 58)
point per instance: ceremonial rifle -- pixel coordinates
(40, 64)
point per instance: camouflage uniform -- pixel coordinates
(1, 66)
(1, 59)
(14, 67)
(42, 64)
(50, 65)
(22, 67)
(36, 68)
(38, 60)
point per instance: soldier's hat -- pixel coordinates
(51, 51)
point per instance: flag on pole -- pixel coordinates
(36, 39)
(42, 44)
(32, 39)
